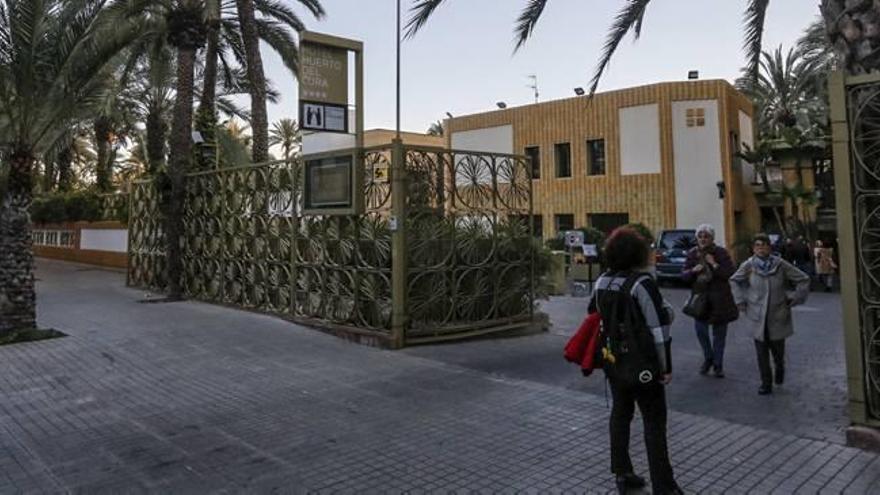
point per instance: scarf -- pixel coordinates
(763, 265)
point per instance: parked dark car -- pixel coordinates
(670, 252)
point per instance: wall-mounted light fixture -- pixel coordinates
(722, 189)
(501, 105)
(579, 91)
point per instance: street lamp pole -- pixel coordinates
(398, 70)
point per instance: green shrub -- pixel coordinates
(79, 206)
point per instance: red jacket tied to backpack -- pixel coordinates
(584, 344)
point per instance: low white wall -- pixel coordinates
(113, 240)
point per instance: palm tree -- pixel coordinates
(285, 133)
(52, 56)
(785, 92)
(850, 26)
(436, 129)
(187, 32)
(272, 27)
(761, 157)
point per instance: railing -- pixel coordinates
(465, 240)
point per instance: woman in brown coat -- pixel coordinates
(825, 265)
(707, 269)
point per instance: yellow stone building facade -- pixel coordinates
(662, 154)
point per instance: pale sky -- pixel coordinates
(462, 62)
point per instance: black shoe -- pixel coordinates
(707, 365)
(719, 372)
(765, 389)
(629, 481)
(780, 376)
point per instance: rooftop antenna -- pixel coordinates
(534, 85)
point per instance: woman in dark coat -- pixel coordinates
(708, 268)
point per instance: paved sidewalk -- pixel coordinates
(189, 397)
(811, 404)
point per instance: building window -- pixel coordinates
(538, 226)
(596, 157)
(607, 222)
(534, 154)
(563, 159)
(696, 117)
(564, 221)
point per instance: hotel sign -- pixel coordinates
(323, 73)
(323, 87)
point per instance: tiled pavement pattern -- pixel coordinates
(189, 397)
(811, 404)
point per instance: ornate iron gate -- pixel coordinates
(466, 242)
(856, 125)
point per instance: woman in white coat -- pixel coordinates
(760, 290)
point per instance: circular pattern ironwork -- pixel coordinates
(474, 181)
(514, 183)
(865, 135)
(868, 229)
(473, 295)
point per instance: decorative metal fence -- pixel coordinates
(469, 241)
(864, 120)
(113, 206)
(467, 244)
(855, 115)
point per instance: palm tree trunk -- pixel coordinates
(181, 145)
(49, 175)
(17, 298)
(209, 89)
(65, 160)
(257, 79)
(156, 130)
(853, 30)
(103, 172)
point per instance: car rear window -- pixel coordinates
(678, 240)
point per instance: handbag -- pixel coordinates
(697, 305)
(583, 346)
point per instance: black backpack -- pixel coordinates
(629, 354)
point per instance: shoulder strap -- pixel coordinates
(631, 282)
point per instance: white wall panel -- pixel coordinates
(489, 140)
(697, 157)
(639, 140)
(747, 141)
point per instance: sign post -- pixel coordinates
(332, 155)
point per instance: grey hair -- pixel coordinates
(707, 229)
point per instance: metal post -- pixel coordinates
(399, 314)
(397, 134)
(855, 369)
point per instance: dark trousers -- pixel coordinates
(713, 350)
(764, 349)
(651, 399)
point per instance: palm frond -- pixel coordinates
(629, 18)
(421, 12)
(527, 20)
(280, 12)
(280, 39)
(755, 15)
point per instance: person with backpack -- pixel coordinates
(761, 291)
(707, 269)
(637, 358)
